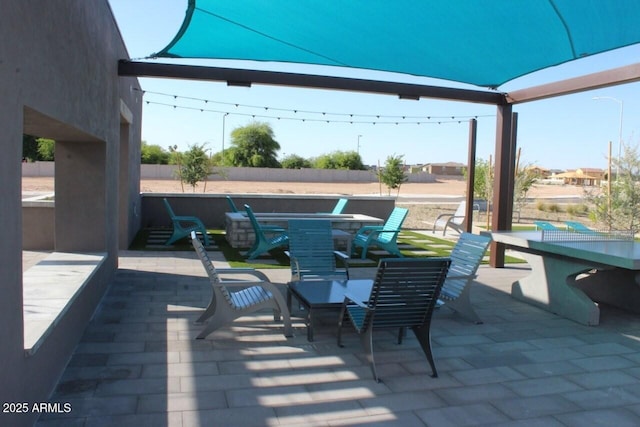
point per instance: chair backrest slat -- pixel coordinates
(339, 207)
(394, 222)
(405, 291)
(311, 244)
(466, 257)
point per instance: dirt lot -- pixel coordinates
(421, 214)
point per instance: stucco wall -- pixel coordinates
(58, 79)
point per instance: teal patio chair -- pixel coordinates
(383, 236)
(544, 225)
(576, 226)
(404, 295)
(184, 225)
(466, 257)
(266, 238)
(312, 253)
(339, 207)
(265, 227)
(232, 205)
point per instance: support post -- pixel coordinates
(471, 174)
(504, 182)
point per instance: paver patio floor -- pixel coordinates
(138, 363)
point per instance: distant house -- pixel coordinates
(540, 171)
(583, 176)
(448, 168)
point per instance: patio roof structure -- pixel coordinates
(482, 43)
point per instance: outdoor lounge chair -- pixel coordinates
(466, 257)
(404, 295)
(576, 226)
(339, 207)
(184, 225)
(544, 225)
(266, 238)
(383, 236)
(312, 253)
(232, 205)
(226, 304)
(455, 221)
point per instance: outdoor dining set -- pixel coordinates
(402, 294)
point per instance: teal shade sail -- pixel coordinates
(482, 42)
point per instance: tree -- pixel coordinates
(194, 166)
(620, 207)
(153, 155)
(29, 148)
(349, 160)
(293, 161)
(483, 182)
(253, 146)
(46, 149)
(526, 176)
(393, 174)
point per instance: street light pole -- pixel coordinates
(621, 103)
(224, 116)
(358, 146)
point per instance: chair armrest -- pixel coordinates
(187, 218)
(463, 276)
(246, 271)
(244, 283)
(443, 215)
(345, 260)
(369, 228)
(348, 299)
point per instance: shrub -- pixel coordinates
(555, 208)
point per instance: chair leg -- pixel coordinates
(367, 342)
(423, 334)
(209, 311)
(214, 323)
(286, 315)
(341, 318)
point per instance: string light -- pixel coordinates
(392, 119)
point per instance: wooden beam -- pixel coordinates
(616, 76)
(245, 77)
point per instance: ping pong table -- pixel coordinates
(572, 272)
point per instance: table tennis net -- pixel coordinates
(587, 236)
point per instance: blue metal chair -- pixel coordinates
(312, 253)
(404, 295)
(383, 236)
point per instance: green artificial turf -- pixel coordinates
(411, 244)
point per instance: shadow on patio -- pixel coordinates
(139, 364)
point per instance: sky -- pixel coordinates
(567, 132)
